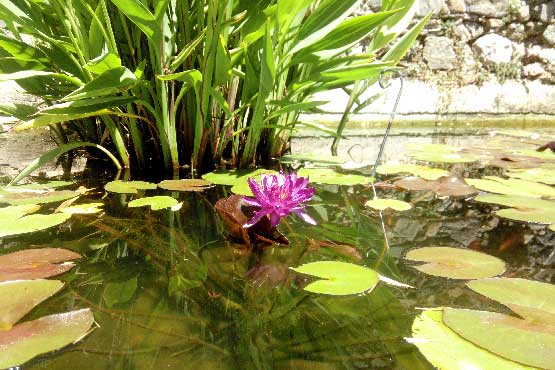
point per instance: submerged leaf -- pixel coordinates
(35, 263)
(83, 209)
(425, 172)
(156, 203)
(184, 185)
(120, 292)
(446, 350)
(455, 263)
(128, 187)
(382, 204)
(21, 296)
(530, 299)
(518, 340)
(441, 153)
(27, 340)
(341, 278)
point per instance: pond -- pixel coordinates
(169, 289)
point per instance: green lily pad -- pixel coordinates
(440, 153)
(36, 263)
(519, 187)
(156, 203)
(15, 198)
(530, 299)
(446, 186)
(545, 155)
(516, 201)
(83, 209)
(184, 185)
(14, 220)
(128, 187)
(515, 339)
(330, 177)
(45, 186)
(316, 159)
(120, 292)
(552, 227)
(538, 216)
(446, 350)
(425, 172)
(242, 188)
(341, 278)
(29, 339)
(233, 177)
(543, 175)
(21, 296)
(382, 204)
(456, 263)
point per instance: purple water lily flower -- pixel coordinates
(278, 196)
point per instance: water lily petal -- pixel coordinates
(257, 217)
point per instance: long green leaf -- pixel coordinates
(17, 110)
(139, 14)
(54, 153)
(401, 46)
(21, 50)
(110, 82)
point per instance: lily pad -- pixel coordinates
(242, 188)
(27, 340)
(552, 227)
(447, 186)
(456, 263)
(316, 159)
(341, 278)
(441, 153)
(519, 187)
(233, 177)
(156, 203)
(543, 175)
(128, 187)
(45, 186)
(446, 350)
(83, 209)
(14, 220)
(35, 263)
(184, 185)
(21, 296)
(530, 299)
(15, 198)
(515, 339)
(330, 177)
(382, 204)
(425, 172)
(546, 216)
(516, 201)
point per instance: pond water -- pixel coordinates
(169, 289)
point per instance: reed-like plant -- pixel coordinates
(168, 83)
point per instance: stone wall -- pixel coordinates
(473, 57)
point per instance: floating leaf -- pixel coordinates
(425, 172)
(120, 292)
(242, 188)
(518, 340)
(29, 196)
(128, 187)
(530, 299)
(83, 209)
(446, 350)
(456, 263)
(330, 177)
(543, 175)
(382, 204)
(184, 185)
(341, 278)
(233, 177)
(44, 186)
(13, 220)
(27, 340)
(447, 186)
(21, 296)
(519, 187)
(539, 216)
(440, 153)
(35, 263)
(156, 203)
(552, 227)
(516, 201)
(316, 159)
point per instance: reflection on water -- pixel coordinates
(170, 292)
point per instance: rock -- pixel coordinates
(476, 29)
(536, 53)
(519, 51)
(488, 8)
(494, 49)
(494, 23)
(427, 6)
(516, 32)
(468, 67)
(533, 70)
(549, 34)
(456, 6)
(462, 33)
(439, 53)
(523, 12)
(544, 12)
(540, 97)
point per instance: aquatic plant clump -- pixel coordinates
(278, 196)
